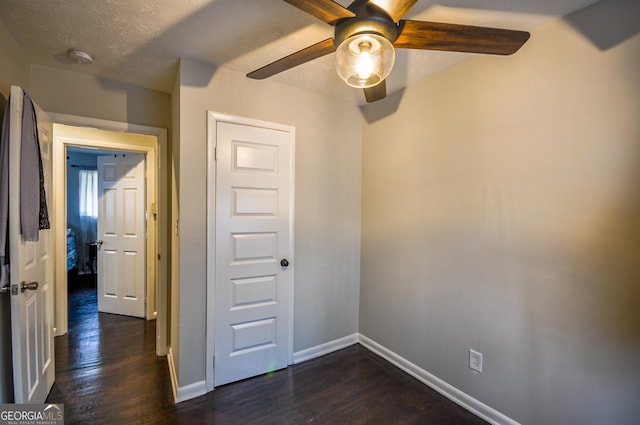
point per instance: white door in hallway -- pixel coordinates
(31, 274)
(253, 264)
(121, 234)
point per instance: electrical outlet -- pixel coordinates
(475, 360)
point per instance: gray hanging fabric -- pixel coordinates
(4, 199)
(33, 204)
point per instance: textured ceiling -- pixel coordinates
(140, 41)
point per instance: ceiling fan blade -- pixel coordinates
(395, 8)
(325, 10)
(371, 94)
(298, 58)
(459, 38)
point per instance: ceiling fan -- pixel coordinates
(367, 31)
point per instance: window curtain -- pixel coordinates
(88, 204)
(88, 193)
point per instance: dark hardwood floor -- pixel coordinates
(107, 373)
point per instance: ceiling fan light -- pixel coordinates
(364, 60)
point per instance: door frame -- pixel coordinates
(213, 118)
(156, 166)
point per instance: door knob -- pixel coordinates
(284, 262)
(31, 285)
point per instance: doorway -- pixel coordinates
(250, 264)
(84, 134)
(106, 228)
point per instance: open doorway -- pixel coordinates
(106, 229)
(79, 145)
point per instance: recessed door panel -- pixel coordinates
(44, 248)
(254, 202)
(254, 157)
(30, 255)
(251, 336)
(110, 211)
(129, 278)
(254, 291)
(46, 354)
(130, 170)
(32, 342)
(131, 212)
(253, 247)
(109, 273)
(110, 171)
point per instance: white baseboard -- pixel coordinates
(188, 391)
(466, 401)
(326, 348)
(471, 404)
(191, 391)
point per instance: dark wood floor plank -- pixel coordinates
(108, 373)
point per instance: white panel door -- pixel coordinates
(31, 272)
(121, 234)
(252, 227)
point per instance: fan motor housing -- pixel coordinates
(369, 19)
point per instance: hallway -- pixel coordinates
(107, 373)
(106, 367)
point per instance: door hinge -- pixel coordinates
(215, 153)
(214, 361)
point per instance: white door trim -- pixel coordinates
(159, 169)
(212, 120)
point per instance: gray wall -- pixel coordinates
(14, 70)
(327, 204)
(173, 301)
(504, 217)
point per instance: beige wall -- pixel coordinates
(15, 66)
(327, 204)
(501, 212)
(72, 93)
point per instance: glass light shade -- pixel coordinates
(364, 60)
